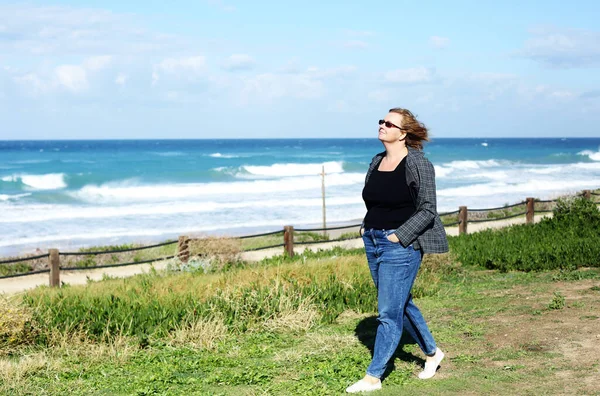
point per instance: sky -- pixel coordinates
(222, 69)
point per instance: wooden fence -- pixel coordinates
(183, 242)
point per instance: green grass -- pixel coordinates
(322, 358)
(568, 240)
(306, 325)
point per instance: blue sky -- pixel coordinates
(261, 69)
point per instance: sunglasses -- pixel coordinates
(389, 125)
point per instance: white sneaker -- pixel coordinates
(431, 364)
(363, 386)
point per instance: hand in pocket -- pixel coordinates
(393, 238)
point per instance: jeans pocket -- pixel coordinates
(387, 233)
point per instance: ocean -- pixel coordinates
(71, 194)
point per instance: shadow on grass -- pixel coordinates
(366, 330)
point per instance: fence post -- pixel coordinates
(288, 240)
(530, 210)
(183, 249)
(462, 220)
(587, 194)
(54, 264)
(323, 195)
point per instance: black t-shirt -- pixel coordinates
(388, 199)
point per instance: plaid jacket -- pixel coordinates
(424, 228)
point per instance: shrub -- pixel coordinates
(280, 292)
(152, 305)
(557, 302)
(568, 240)
(215, 254)
(15, 325)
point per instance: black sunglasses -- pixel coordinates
(389, 125)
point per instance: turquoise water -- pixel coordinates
(68, 194)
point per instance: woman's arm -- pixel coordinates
(423, 218)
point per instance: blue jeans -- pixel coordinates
(394, 269)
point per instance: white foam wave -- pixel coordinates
(448, 168)
(50, 181)
(132, 192)
(531, 187)
(40, 213)
(594, 156)
(484, 144)
(219, 155)
(25, 162)
(440, 171)
(286, 170)
(6, 197)
(115, 234)
(497, 175)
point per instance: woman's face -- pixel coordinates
(389, 130)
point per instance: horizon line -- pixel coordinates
(288, 138)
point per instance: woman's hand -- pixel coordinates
(393, 238)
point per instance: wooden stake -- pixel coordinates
(288, 240)
(530, 210)
(462, 218)
(54, 264)
(323, 195)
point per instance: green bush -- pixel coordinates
(152, 305)
(568, 240)
(557, 302)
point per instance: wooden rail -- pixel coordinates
(183, 251)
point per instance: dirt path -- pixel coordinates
(562, 343)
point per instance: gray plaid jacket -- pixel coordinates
(424, 228)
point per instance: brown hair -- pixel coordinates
(416, 131)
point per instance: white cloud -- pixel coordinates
(186, 68)
(292, 66)
(121, 79)
(33, 83)
(194, 64)
(543, 95)
(97, 63)
(271, 86)
(418, 75)
(439, 42)
(491, 86)
(72, 77)
(563, 48)
(562, 95)
(310, 84)
(57, 30)
(239, 62)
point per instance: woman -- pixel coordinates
(401, 225)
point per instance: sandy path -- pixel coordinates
(15, 285)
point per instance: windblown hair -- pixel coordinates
(416, 131)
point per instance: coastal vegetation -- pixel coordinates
(305, 324)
